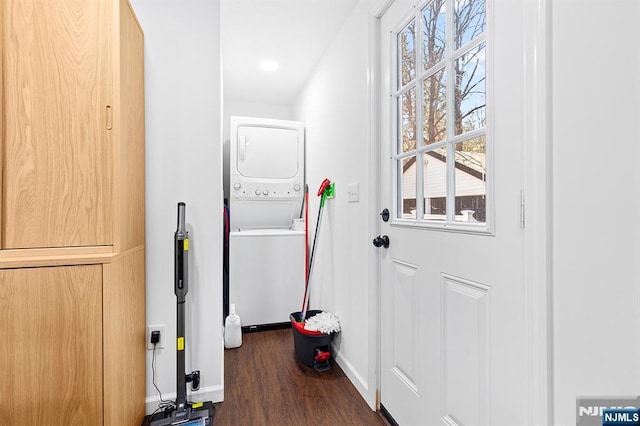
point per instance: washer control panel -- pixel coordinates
(261, 191)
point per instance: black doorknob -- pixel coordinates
(381, 241)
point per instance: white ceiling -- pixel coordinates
(294, 33)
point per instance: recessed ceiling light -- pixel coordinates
(268, 65)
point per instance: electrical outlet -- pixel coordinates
(163, 336)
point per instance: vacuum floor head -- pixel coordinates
(199, 414)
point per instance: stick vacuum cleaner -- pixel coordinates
(184, 413)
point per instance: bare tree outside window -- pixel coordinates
(451, 68)
(434, 86)
(434, 33)
(470, 90)
(470, 72)
(469, 20)
(406, 75)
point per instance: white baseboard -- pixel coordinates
(358, 381)
(210, 393)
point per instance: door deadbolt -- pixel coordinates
(385, 215)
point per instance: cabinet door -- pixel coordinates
(51, 351)
(57, 80)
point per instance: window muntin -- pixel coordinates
(441, 93)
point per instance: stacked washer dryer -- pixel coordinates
(266, 256)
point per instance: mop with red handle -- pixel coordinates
(322, 192)
(306, 238)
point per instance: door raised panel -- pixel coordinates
(57, 157)
(402, 383)
(465, 361)
(51, 351)
(405, 324)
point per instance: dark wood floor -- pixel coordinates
(266, 384)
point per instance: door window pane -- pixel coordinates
(471, 178)
(469, 20)
(408, 119)
(434, 108)
(407, 51)
(440, 100)
(407, 179)
(470, 90)
(435, 184)
(434, 33)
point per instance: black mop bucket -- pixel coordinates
(312, 347)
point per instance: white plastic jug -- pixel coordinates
(232, 330)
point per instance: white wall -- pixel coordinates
(596, 201)
(183, 163)
(334, 106)
(253, 109)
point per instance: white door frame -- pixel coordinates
(536, 209)
(373, 83)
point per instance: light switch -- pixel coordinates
(353, 193)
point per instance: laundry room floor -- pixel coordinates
(266, 384)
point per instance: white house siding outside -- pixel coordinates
(469, 181)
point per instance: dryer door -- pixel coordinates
(267, 152)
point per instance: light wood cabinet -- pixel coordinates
(72, 254)
(123, 335)
(57, 83)
(51, 357)
(73, 100)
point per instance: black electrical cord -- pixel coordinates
(163, 405)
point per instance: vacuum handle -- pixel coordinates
(181, 215)
(181, 250)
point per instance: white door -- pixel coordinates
(452, 292)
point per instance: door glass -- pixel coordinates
(440, 107)
(434, 108)
(434, 33)
(470, 173)
(407, 179)
(469, 20)
(470, 90)
(406, 48)
(435, 184)
(408, 119)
